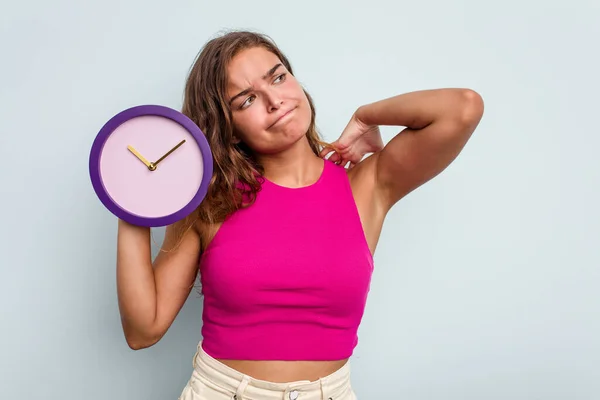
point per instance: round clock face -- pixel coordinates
(150, 165)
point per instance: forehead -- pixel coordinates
(249, 66)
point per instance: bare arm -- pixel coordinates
(152, 294)
(438, 125)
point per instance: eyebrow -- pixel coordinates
(269, 74)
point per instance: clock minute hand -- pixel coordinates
(168, 152)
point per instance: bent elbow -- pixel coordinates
(137, 341)
(473, 106)
(137, 344)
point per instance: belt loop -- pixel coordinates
(322, 388)
(241, 388)
(194, 359)
(196, 354)
(323, 394)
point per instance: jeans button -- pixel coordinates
(293, 395)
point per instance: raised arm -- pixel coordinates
(438, 125)
(152, 294)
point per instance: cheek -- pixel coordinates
(306, 109)
(301, 96)
(306, 117)
(249, 123)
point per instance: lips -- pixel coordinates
(284, 115)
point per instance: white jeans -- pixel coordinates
(213, 380)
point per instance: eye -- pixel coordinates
(280, 78)
(247, 102)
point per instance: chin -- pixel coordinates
(300, 130)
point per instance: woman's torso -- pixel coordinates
(371, 217)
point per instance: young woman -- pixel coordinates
(284, 240)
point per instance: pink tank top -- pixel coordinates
(288, 277)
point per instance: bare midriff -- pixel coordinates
(285, 371)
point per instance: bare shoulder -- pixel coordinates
(179, 253)
(207, 233)
(363, 182)
(179, 236)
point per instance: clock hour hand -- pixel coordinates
(139, 156)
(168, 152)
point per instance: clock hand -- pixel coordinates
(141, 157)
(168, 152)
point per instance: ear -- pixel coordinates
(235, 140)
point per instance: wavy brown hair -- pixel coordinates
(236, 172)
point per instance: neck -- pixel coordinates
(295, 167)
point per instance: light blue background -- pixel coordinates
(487, 279)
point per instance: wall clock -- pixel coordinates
(150, 165)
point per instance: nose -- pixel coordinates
(274, 101)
